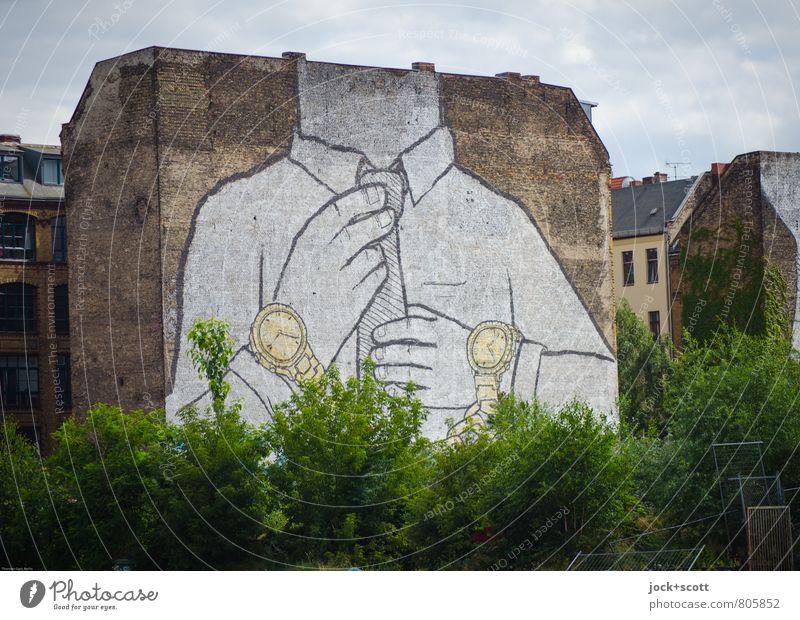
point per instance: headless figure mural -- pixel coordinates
(369, 239)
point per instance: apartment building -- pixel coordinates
(35, 392)
(642, 213)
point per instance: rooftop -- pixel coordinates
(639, 210)
(30, 183)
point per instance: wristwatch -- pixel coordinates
(279, 340)
(491, 347)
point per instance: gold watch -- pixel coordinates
(279, 340)
(491, 347)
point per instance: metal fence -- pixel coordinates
(732, 460)
(663, 559)
(769, 538)
(757, 491)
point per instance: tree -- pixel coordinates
(211, 351)
(219, 512)
(347, 458)
(130, 484)
(23, 500)
(106, 478)
(644, 365)
(527, 492)
(731, 387)
(216, 510)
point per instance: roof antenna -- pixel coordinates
(674, 165)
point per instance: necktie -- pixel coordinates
(389, 303)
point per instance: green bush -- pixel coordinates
(735, 387)
(106, 480)
(346, 459)
(528, 492)
(130, 485)
(23, 501)
(342, 477)
(644, 365)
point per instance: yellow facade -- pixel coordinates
(643, 295)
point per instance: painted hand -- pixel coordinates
(335, 267)
(429, 350)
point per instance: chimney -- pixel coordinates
(647, 180)
(531, 79)
(660, 177)
(423, 66)
(293, 55)
(509, 75)
(717, 170)
(9, 138)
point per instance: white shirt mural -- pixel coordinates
(368, 238)
(780, 187)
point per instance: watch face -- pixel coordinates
(280, 335)
(489, 347)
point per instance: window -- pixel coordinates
(59, 229)
(64, 385)
(31, 433)
(9, 169)
(627, 268)
(17, 307)
(19, 380)
(61, 301)
(17, 237)
(655, 323)
(51, 171)
(652, 265)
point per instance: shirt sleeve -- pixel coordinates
(563, 355)
(547, 308)
(236, 251)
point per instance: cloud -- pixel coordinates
(674, 80)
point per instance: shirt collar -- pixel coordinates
(424, 162)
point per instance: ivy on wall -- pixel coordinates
(721, 282)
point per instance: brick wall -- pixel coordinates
(731, 220)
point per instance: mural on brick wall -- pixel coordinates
(369, 239)
(780, 186)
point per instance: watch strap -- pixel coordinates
(307, 368)
(487, 389)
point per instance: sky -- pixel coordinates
(692, 82)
